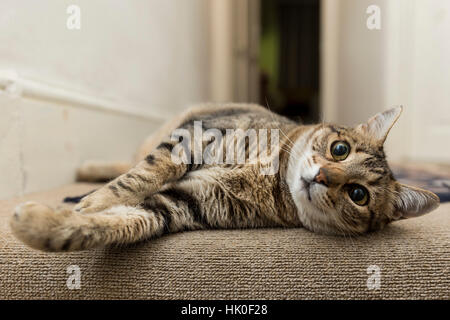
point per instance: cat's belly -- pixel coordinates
(231, 199)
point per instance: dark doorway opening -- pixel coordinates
(289, 58)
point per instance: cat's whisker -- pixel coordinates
(273, 118)
(342, 229)
(289, 152)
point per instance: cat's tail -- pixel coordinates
(101, 171)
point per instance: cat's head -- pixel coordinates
(341, 183)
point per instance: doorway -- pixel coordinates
(289, 57)
(267, 52)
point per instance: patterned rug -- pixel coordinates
(437, 182)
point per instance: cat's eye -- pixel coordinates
(358, 194)
(340, 150)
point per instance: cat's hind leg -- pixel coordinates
(44, 228)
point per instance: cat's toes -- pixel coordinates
(91, 204)
(34, 224)
(87, 206)
(82, 206)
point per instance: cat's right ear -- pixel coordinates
(413, 202)
(379, 125)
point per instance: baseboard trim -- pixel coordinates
(14, 85)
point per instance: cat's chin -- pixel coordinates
(310, 215)
(311, 193)
(315, 218)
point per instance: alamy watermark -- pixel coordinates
(227, 146)
(374, 279)
(74, 19)
(74, 280)
(373, 21)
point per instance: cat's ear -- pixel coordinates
(413, 202)
(379, 125)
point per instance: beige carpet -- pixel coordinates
(414, 258)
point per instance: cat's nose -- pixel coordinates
(321, 177)
(330, 176)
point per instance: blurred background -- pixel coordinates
(69, 94)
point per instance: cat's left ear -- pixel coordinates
(413, 202)
(379, 125)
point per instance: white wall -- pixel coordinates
(142, 57)
(151, 53)
(430, 81)
(361, 53)
(42, 143)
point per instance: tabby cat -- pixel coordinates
(331, 179)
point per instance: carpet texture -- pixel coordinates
(413, 257)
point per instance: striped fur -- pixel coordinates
(158, 196)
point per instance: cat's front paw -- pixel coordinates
(34, 224)
(94, 203)
(101, 200)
